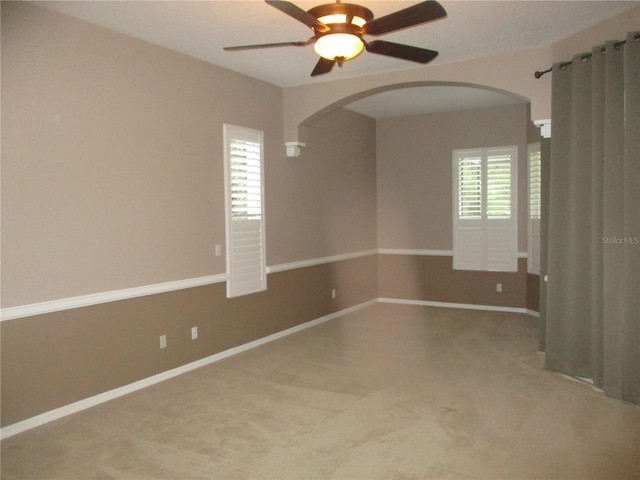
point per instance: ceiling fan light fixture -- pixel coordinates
(342, 18)
(339, 45)
(338, 31)
(360, 22)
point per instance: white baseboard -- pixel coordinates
(428, 303)
(86, 403)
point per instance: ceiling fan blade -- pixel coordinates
(405, 52)
(414, 15)
(266, 45)
(324, 65)
(299, 14)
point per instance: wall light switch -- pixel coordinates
(218, 249)
(194, 333)
(498, 287)
(163, 341)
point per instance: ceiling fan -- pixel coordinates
(338, 30)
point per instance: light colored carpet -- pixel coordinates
(387, 392)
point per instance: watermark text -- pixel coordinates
(621, 240)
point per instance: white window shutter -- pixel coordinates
(469, 183)
(500, 214)
(535, 207)
(246, 274)
(533, 258)
(469, 246)
(499, 184)
(244, 179)
(485, 227)
(468, 238)
(501, 253)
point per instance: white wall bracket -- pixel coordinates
(544, 126)
(293, 148)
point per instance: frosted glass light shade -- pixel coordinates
(335, 45)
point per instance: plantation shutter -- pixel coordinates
(500, 229)
(485, 235)
(469, 236)
(246, 265)
(535, 206)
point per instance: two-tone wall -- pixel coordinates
(415, 221)
(113, 202)
(55, 359)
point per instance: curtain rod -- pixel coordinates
(586, 56)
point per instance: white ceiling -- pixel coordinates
(472, 29)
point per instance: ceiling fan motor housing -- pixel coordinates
(349, 10)
(343, 39)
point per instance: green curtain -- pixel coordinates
(545, 156)
(591, 316)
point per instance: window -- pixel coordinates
(244, 193)
(484, 219)
(535, 207)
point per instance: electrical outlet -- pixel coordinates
(163, 341)
(333, 293)
(498, 287)
(218, 249)
(194, 333)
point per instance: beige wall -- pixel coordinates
(323, 202)
(615, 28)
(112, 157)
(430, 278)
(112, 164)
(415, 187)
(415, 171)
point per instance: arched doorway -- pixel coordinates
(411, 98)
